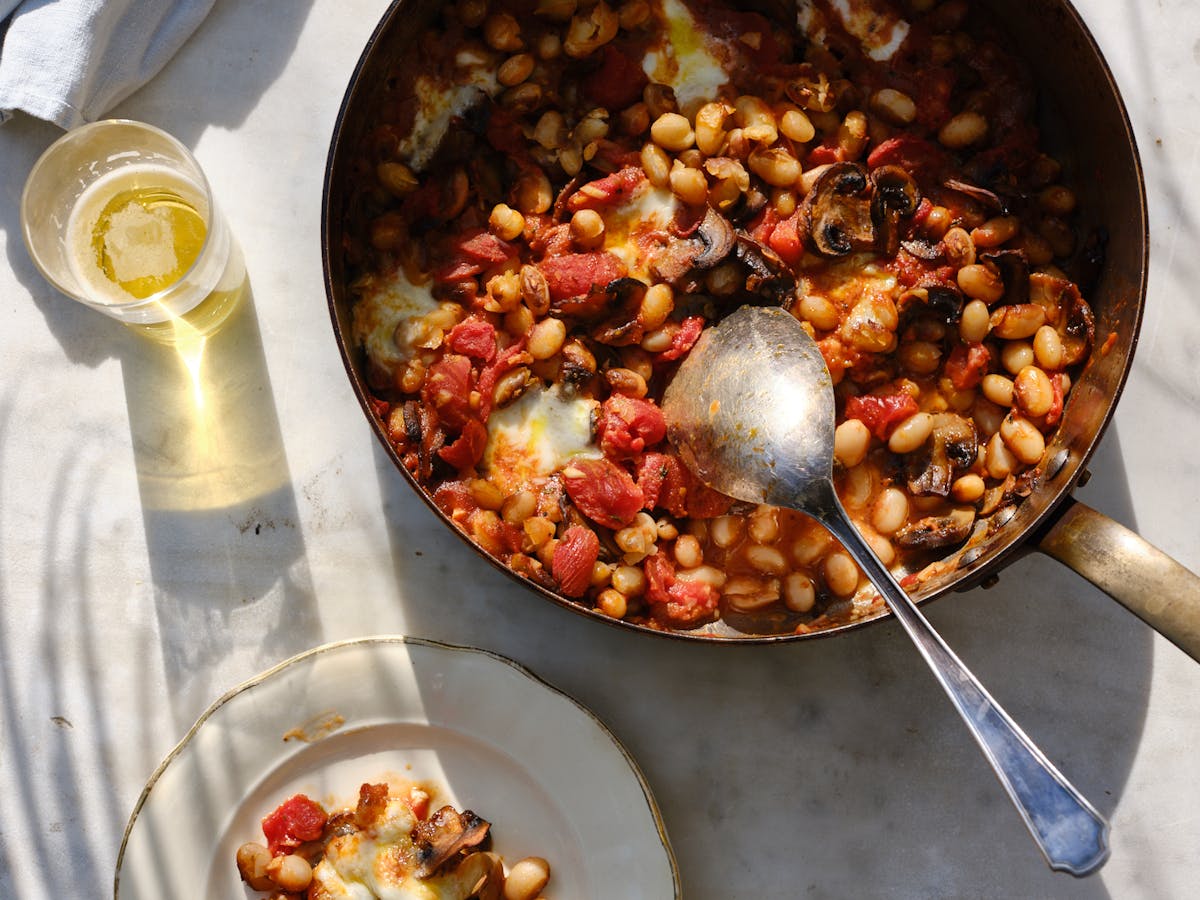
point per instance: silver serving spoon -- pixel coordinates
(751, 412)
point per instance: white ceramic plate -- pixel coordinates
(542, 769)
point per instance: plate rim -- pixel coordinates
(385, 639)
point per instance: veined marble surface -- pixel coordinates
(826, 769)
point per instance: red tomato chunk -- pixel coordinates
(627, 426)
(296, 820)
(573, 560)
(881, 413)
(603, 491)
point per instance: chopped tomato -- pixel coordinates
(574, 557)
(618, 82)
(763, 225)
(458, 269)
(787, 240)
(483, 246)
(681, 604)
(296, 820)
(612, 156)
(579, 273)
(454, 499)
(923, 160)
(1052, 416)
(474, 337)
(935, 84)
(606, 191)
(504, 133)
(685, 338)
(509, 358)
(881, 413)
(468, 448)
(603, 491)
(664, 483)
(825, 153)
(628, 425)
(447, 390)
(967, 364)
(705, 503)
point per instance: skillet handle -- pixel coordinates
(1139, 576)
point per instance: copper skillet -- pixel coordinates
(1079, 97)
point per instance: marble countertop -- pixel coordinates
(823, 769)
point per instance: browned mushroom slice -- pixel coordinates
(988, 199)
(443, 835)
(923, 248)
(896, 196)
(703, 248)
(601, 300)
(622, 327)
(951, 449)
(837, 211)
(749, 204)
(937, 532)
(769, 278)
(941, 301)
(1014, 272)
(1068, 312)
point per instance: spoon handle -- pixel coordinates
(1071, 834)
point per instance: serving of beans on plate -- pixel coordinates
(556, 199)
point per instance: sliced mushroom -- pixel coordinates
(937, 532)
(941, 301)
(578, 364)
(706, 246)
(988, 199)
(600, 300)
(1014, 272)
(1068, 312)
(749, 204)
(837, 211)
(770, 278)
(951, 449)
(623, 327)
(443, 835)
(923, 248)
(896, 196)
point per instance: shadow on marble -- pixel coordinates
(33, 748)
(233, 57)
(828, 768)
(226, 552)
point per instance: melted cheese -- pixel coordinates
(649, 209)
(381, 865)
(536, 436)
(438, 104)
(387, 318)
(877, 26)
(852, 278)
(689, 61)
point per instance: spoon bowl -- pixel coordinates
(751, 412)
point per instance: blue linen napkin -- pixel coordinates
(70, 61)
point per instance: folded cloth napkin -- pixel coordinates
(70, 61)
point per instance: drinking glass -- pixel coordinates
(118, 215)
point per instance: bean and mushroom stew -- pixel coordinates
(392, 843)
(556, 198)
